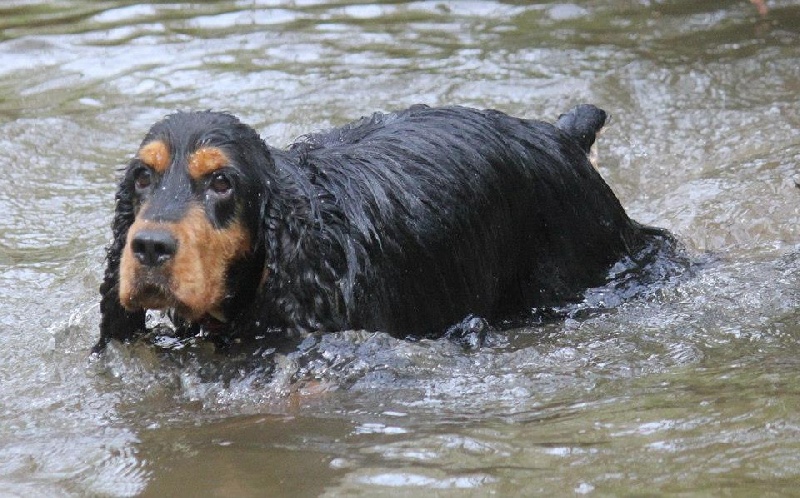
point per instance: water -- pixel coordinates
(693, 389)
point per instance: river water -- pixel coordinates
(692, 389)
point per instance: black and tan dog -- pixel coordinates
(404, 223)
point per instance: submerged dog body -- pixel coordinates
(403, 223)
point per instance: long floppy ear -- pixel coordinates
(115, 321)
(304, 254)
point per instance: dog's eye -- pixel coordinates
(142, 179)
(220, 184)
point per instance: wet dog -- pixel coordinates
(404, 223)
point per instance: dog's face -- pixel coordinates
(191, 190)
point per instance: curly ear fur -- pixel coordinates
(116, 322)
(304, 261)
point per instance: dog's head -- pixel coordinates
(195, 191)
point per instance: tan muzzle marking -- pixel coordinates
(194, 280)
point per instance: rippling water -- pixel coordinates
(694, 389)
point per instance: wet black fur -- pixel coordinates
(404, 223)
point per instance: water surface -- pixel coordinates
(692, 389)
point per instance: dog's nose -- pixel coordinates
(154, 247)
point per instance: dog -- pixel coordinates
(404, 222)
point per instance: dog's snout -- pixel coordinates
(154, 247)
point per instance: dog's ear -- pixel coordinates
(303, 256)
(115, 321)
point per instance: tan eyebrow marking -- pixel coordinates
(156, 155)
(206, 160)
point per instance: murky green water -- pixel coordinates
(694, 390)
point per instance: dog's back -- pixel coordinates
(451, 211)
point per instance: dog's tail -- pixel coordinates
(583, 123)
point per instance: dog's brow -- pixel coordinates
(206, 160)
(156, 155)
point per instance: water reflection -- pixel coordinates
(244, 456)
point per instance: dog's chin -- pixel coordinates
(150, 296)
